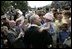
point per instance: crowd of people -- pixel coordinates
(36, 30)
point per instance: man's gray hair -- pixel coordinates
(32, 18)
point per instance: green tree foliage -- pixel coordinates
(4, 6)
(22, 5)
(61, 4)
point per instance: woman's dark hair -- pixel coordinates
(55, 14)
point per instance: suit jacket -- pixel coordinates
(37, 39)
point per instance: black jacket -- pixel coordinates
(37, 39)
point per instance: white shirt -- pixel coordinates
(33, 25)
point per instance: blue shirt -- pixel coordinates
(63, 35)
(52, 28)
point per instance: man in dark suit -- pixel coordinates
(35, 37)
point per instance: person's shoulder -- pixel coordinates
(45, 32)
(10, 33)
(33, 28)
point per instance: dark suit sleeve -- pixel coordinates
(28, 38)
(47, 37)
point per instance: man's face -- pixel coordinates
(38, 20)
